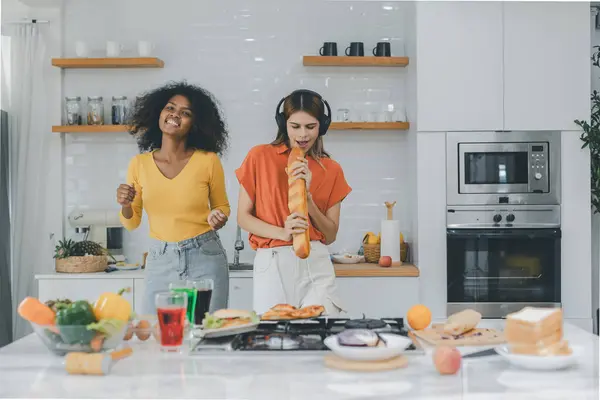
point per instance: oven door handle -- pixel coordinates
(484, 278)
(503, 233)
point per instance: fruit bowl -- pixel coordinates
(78, 338)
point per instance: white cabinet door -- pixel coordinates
(81, 289)
(459, 66)
(139, 296)
(386, 297)
(240, 293)
(546, 65)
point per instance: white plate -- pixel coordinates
(347, 258)
(539, 363)
(233, 330)
(127, 267)
(395, 345)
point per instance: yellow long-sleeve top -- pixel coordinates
(177, 208)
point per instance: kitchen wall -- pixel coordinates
(249, 54)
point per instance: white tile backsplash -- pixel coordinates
(248, 53)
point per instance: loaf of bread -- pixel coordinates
(298, 203)
(87, 364)
(536, 331)
(462, 322)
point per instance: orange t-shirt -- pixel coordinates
(263, 176)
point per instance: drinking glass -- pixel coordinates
(343, 115)
(187, 288)
(204, 289)
(170, 308)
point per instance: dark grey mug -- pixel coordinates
(328, 49)
(356, 49)
(383, 49)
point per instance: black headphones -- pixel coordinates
(324, 120)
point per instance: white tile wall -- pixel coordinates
(249, 54)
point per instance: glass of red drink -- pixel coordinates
(204, 290)
(171, 308)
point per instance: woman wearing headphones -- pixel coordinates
(279, 275)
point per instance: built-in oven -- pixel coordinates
(502, 258)
(503, 167)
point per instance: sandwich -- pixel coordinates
(227, 317)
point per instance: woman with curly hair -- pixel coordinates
(178, 180)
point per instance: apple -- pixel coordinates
(447, 360)
(385, 261)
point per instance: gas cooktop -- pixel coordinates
(300, 335)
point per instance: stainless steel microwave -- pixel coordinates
(503, 168)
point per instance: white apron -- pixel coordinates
(281, 277)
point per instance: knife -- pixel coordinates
(482, 353)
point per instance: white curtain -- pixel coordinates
(29, 132)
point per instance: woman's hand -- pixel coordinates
(294, 224)
(299, 170)
(125, 195)
(217, 219)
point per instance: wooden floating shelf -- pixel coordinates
(373, 126)
(88, 128)
(374, 270)
(117, 62)
(349, 61)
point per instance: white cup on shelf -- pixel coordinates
(145, 48)
(113, 49)
(81, 49)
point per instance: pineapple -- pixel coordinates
(87, 247)
(64, 248)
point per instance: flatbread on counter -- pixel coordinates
(287, 311)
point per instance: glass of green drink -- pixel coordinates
(190, 291)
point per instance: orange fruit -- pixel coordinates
(418, 317)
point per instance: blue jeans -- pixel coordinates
(201, 257)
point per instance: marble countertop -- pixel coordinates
(341, 270)
(28, 370)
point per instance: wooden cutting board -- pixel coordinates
(476, 337)
(336, 362)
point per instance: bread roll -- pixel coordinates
(298, 203)
(462, 322)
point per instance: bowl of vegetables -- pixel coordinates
(66, 326)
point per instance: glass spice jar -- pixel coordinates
(95, 111)
(73, 110)
(119, 110)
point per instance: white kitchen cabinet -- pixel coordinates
(373, 296)
(81, 289)
(378, 297)
(240, 293)
(459, 66)
(139, 292)
(546, 65)
(502, 65)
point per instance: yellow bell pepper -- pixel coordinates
(112, 306)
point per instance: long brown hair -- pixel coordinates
(311, 105)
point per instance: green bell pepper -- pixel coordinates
(72, 322)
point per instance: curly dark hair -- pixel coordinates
(208, 131)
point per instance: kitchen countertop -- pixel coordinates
(28, 370)
(341, 270)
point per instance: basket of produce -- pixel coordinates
(66, 326)
(372, 247)
(80, 257)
